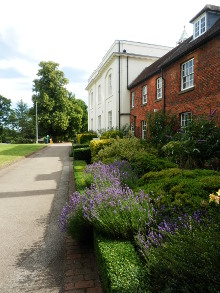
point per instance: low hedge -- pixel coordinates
(85, 137)
(82, 154)
(120, 268)
(82, 180)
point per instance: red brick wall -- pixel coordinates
(203, 98)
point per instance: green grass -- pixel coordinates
(10, 153)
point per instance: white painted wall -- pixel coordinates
(139, 56)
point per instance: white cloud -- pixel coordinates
(77, 34)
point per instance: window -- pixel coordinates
(187, 75)
(99, 122)
(185, 118)
(132, 100)
(110, 85)
(144, 94)
(144, 129)
(132, 129)
(202, 29)
(91, 100)
(196, 29)
(92, 124)
(159, 88)
(99, 94)
(200, 26)
(110, 119)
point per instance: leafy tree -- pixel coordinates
(23, 122)
(5, 111)
(58, 114)
(84, 107)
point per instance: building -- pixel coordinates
(185, 81)
(108, 96)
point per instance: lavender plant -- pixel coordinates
(109, 204)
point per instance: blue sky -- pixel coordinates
(77, 34)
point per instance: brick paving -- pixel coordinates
(81, 270)
(81, 273)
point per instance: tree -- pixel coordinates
(57, 114)
(84, 107)
(23, 122)
(5, 111)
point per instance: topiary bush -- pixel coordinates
(120, 268)
(82, 154)
(85, 137)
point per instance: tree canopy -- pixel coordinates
(59, 113)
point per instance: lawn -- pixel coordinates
(10, 153)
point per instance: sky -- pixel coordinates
(76, 34)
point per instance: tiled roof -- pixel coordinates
(184, 48)
(208, 7)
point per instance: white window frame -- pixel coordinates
(199, 26)
(187, 75)
(99, 94)
(159, 88)
(110, 85)
(185, 117)
(144, 94)
(132, 100)
(144, 129)
(109, 119)
(99, 122)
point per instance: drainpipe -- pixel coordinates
(163, 88)
(127, 71)
(119, 87)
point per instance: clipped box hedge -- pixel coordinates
(97, 145)
(85, 137)
(82, 154)
(120, 268)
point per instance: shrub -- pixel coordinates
(161, 128)
(188, 262)
(196, 144)
(82, 154)
(184, 188)
(143, 162)
(120, 149)
(107, 204)
(120, 267)
(111, 134)
(97, 145)
(85, 137)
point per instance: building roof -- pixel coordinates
(208, 7)
(181, 50)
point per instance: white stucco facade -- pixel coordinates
(108, 97)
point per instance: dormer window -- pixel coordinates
(200, 26)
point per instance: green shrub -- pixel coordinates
(85, 137)
(120, 268)
(143, 162)
(119, 149)
(184, 188)
(97, 145)
(188, 262)
(111, 134)
(82, 154)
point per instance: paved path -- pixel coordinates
(32, 248)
